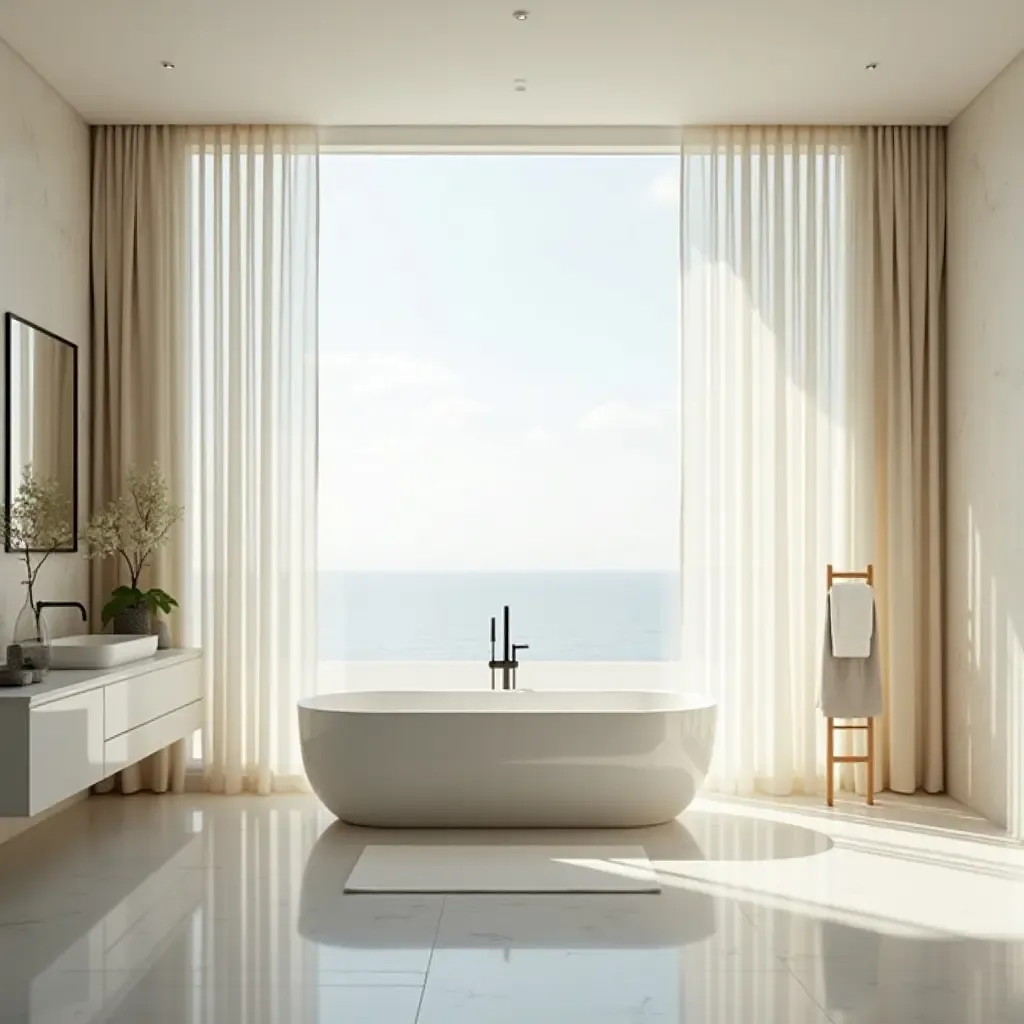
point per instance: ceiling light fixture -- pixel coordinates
(519, 85)
(520, 15)
(873, 66)
(167, 65)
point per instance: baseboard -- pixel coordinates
(11, 827)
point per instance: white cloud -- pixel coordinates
(453, 412)
(375, 402)
(538, 437)
(620, 417)
(386, 373)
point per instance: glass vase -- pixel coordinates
(31, 634)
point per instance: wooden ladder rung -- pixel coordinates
(849, 726)
(849, 759)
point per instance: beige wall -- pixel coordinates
(985, 447)
(44, 277)
(44, 273)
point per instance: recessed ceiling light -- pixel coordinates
(519, 85)
(166, 65)
(520, 15)
(873, 66)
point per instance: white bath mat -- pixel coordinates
(503, 869)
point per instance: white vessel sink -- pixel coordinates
(105, 650)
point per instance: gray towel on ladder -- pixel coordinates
(850, 687)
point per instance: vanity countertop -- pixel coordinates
(61, 683)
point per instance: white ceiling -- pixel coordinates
(453, 62)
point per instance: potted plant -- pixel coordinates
(132, 529)
(36, 524)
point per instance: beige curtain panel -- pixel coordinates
(205, 288)
(139, 274)
(901, 213)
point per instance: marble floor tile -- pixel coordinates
(212, 910)
(117, 998)
(568, 987)
(849, 994)
(481, 868)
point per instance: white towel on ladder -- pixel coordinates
(852, 618)
(850, 687)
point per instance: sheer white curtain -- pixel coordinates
(777, 436)
(253, 202)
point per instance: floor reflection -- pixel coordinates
(206, 910)
(549, 921)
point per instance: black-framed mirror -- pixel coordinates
(41, 411)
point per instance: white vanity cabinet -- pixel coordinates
(76, 728)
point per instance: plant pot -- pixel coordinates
(134, 621)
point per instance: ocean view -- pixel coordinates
(563, 616)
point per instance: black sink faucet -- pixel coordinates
(40, 605)
(509, 660)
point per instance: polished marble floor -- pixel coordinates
(214, 910)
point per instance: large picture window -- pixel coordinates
(499, 407)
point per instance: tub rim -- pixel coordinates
(695, 702)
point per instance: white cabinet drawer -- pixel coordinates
(132, 746)
(144, 698)
(76, 728)
(65, 748)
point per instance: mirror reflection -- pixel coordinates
(42, 409)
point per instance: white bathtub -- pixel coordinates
(517, 759)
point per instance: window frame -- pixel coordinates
(496, 140)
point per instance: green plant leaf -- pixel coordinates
(159, 600)
(121, 599)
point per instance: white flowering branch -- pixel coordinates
(136, 525)
(38, 522)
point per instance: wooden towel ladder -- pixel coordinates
(831, 760)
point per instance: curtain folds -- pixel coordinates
(811, 332)
(771, 411)
(251, 432)
(901, 200)
(139, 267)
(812, 328)
(204, 261)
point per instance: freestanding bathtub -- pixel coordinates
(507, 759)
